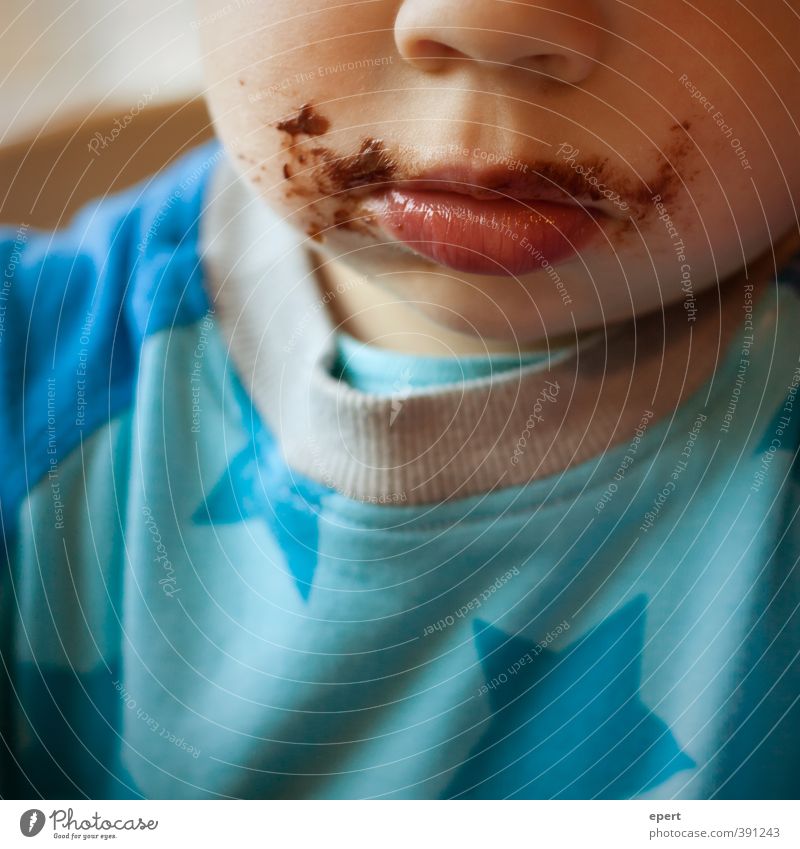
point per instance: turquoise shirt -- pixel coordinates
(381, 371)
(183, 616)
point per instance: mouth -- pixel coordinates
(507, 220)
(489, 222)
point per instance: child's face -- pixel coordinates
(518, 165)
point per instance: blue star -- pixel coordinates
(569, 724)
(258, 484)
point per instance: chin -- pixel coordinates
(481, 319)
(499, 309)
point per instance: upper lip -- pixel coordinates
(499, 183)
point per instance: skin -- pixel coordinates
(518, 79)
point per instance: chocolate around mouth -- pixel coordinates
(306, 122)
(370, 165)
(373, 165)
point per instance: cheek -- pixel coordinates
(299, 159)
(282, 167)
(731, 197)
(741, 198)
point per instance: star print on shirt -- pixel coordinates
(569, 724)
(258, 484)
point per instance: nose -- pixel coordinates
(561, 39)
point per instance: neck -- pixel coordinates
(373, 315)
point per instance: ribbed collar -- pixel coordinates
(370, 368)
(436, 444)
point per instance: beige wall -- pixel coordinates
(62, 60)
(71, 71)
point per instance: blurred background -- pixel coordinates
(94, 94)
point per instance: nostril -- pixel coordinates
(430, 52)
(546, 65)
(557, 39)
(570, 68)
(429, 48)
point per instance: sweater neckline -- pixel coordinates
(382, 371)
(435, 443)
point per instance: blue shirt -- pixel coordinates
(183, 616)
(370, 368)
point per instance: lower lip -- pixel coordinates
(501, 237)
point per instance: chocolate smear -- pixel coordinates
(305, 122)
(372, 164)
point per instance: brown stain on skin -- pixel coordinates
(343, 220)
(673, 171)
(334, 173)
(666, 181)
(372, 164)
(327, 175)
(331, 174)
(670, 174)
(306, 122)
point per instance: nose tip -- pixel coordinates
(558, 39)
